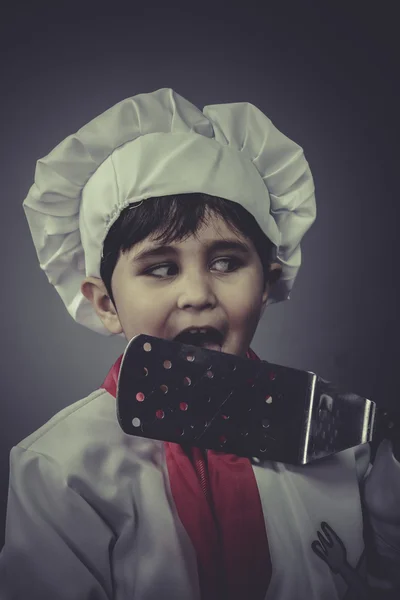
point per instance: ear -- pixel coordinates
(95, 291)
(275, 271)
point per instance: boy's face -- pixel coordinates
(193, 283)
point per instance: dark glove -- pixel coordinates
(392, 424)
(396, 448)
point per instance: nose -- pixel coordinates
(196, 291)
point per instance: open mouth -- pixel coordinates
(207, 337)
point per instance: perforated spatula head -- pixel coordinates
(209, 399)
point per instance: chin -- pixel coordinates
(236, 352)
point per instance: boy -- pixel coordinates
(158, 218)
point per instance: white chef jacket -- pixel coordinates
(91, 516)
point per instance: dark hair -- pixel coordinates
(170, 219)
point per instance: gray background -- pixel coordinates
(326, 76)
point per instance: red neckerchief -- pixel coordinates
(220, 508)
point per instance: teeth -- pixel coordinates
(201, 337)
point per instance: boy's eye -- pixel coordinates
(234, 263)
(152, 270)
(163, 269)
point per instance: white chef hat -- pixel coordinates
(158, 144)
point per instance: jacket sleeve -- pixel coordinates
(380, 495)
(56, 544)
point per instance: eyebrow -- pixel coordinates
(212, 247)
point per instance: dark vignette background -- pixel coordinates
(327, 76)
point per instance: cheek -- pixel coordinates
(140, 310)
(245, 304)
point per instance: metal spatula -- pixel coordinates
(189, 395)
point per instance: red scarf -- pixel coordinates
(220, 508)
